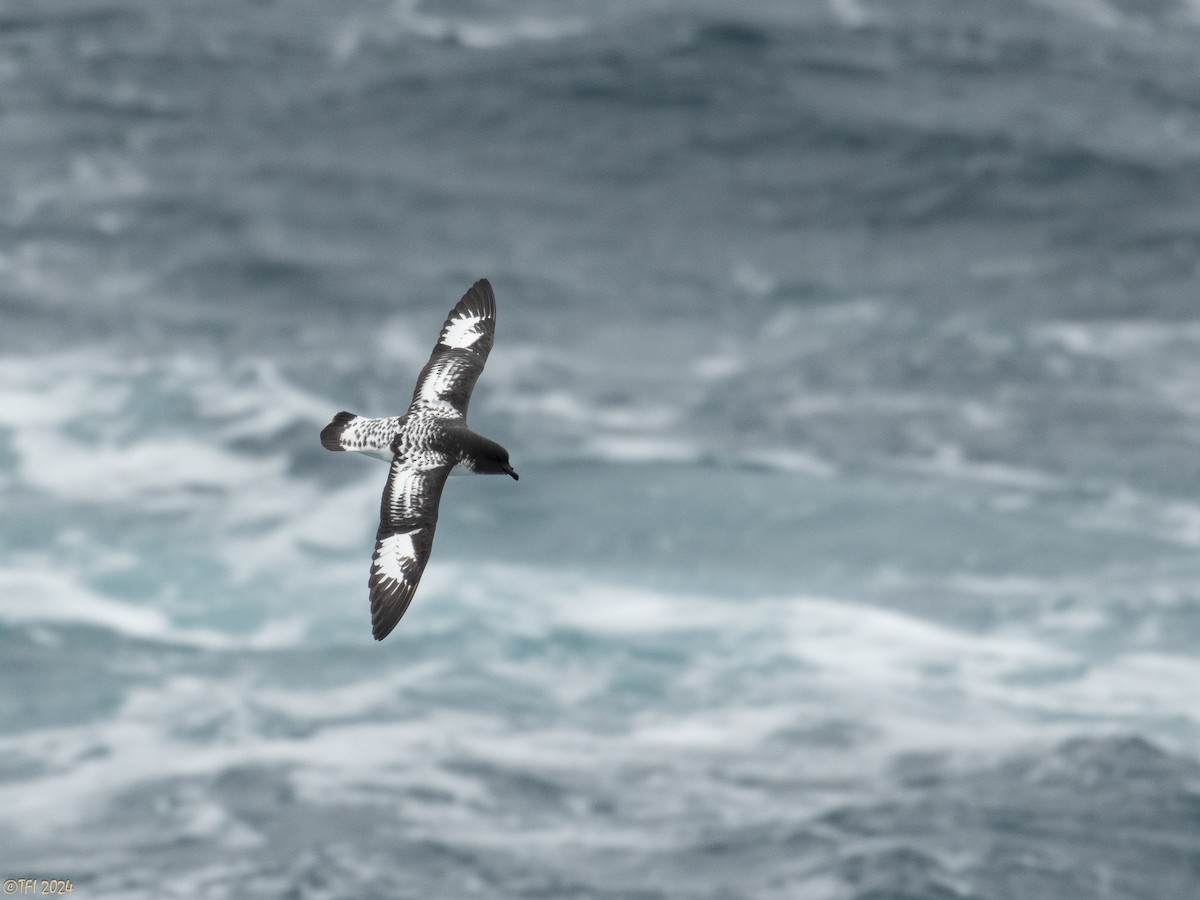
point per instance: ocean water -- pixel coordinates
(849, 352)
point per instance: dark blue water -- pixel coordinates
(850, 356)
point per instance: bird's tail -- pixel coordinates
(331, 434)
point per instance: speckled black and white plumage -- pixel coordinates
(424, 445)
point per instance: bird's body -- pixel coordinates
(424, 445)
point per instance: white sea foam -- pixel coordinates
(1159, 359)
(1137, 512)
(850, 12)
(949, 462)
(406, 18)
(737, 674)
(1097, 12)
(794, 462)
(708, 673)
(574, 409)
(1134, 688)
(484, 35)
(154, 473)
(72, 430)
(42, 594)
(718, 366)
(49, 390)
(79, 437)
(849, 647)
(638, 449)
(1120, 339)
(754, 281)
(403, 342)
(253, 400)
(93, 180)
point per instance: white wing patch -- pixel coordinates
(394, 551)
(461, 333)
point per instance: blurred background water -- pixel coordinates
(849, 351)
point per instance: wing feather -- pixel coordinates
(407, 520)
(462, 349)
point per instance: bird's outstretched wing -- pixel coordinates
(461, 351)
(407, 519)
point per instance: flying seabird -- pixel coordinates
(423, 445)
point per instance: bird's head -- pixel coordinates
(493, 460)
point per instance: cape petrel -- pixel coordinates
(423, 445)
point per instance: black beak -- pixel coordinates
(511, 471)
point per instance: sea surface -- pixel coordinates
(849, 352)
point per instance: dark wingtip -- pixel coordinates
(387, 608)
(381, 624)
(480, 298)
(384, 625)
(331, 434)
